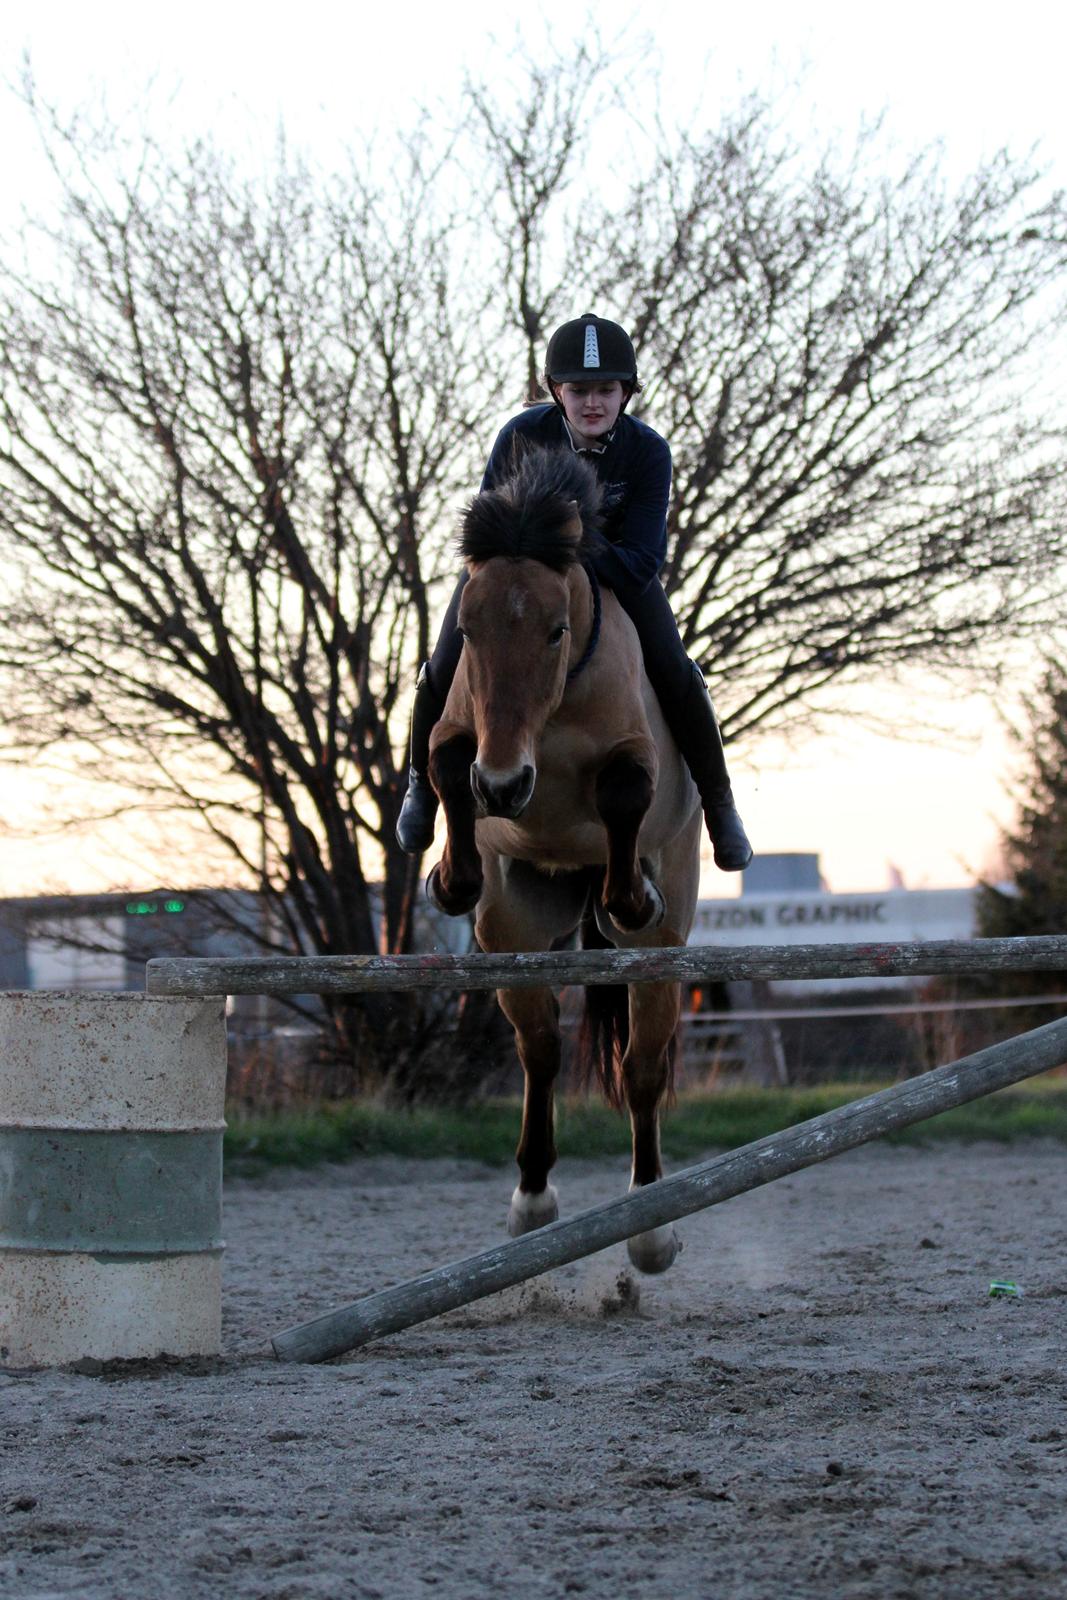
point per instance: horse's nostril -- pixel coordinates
(515, 796)
(506, 796)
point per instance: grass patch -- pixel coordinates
(1010, 1114)
(339, 1132)
(698, 1123)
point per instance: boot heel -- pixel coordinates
(730, 844)
(418, 810)
(418, 813)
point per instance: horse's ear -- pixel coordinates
(575, 528)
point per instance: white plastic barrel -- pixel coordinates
(111, 1122)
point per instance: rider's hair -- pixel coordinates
(632, 387)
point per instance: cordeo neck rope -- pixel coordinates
(594, 636)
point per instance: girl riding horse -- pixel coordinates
(591, 374)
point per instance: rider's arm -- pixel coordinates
(500, 458)
(535, 425)
(636, 544)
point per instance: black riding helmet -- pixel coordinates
(591, 349)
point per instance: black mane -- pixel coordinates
(525, 516)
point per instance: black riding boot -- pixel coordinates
(414, 825)
(698, 738)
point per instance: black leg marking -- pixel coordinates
(624, 791)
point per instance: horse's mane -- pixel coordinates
(530, 514)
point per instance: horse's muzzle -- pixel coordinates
(503, 795)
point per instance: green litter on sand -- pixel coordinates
(1004, 1289)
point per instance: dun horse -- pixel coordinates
(567, 804)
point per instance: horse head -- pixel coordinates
(525, 600)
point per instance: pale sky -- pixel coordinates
(972, 76)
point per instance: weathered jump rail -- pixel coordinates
(280, 975)
(706, 1184)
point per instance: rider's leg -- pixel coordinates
(414, 825)
(690, 715)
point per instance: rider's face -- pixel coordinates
(592, 409)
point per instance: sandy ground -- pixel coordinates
(820, 1398)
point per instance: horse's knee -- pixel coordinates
(625, 786)
(450, 767)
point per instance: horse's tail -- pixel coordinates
(604, 1030)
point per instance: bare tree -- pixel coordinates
(535, 144)
(229, 417)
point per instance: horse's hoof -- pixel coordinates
(655, 909)
(655, 1250)
(432, 889)
(530, 1211)
(457, 903)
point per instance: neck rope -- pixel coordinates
(594, 633)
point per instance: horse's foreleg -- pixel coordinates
(534, 1014)
(625, 786)
(645, 1072)
(455, 884)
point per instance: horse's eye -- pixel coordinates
(555, 638)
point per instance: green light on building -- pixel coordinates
(149, 908)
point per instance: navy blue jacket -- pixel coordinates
(635, 476)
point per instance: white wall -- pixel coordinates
(817, 917)
(821, 918)
(94, 959)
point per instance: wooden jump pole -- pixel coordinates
(704, 1185)
(202, 975)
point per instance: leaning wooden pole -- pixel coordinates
(692, 1190)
